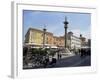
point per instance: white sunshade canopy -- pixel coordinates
(85, 47)
(54, 47)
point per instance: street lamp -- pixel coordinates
(44, 35)
(66, 26)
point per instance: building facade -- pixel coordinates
(58, 41)
(35, 37)
(83, 41)
(74, 42)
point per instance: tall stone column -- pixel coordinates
(66, 27)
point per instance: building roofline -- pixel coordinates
(75, 36)
(39, 30)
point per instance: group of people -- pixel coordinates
(47, 62)
(85, 52)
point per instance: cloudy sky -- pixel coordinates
(79, 23)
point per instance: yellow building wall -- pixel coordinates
(36, 37)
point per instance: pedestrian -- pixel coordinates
(79, 51)
(60, 56)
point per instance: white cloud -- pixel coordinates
(85, 34)
(76, 32)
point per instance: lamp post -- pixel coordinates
(66, 26)
(44, 35)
